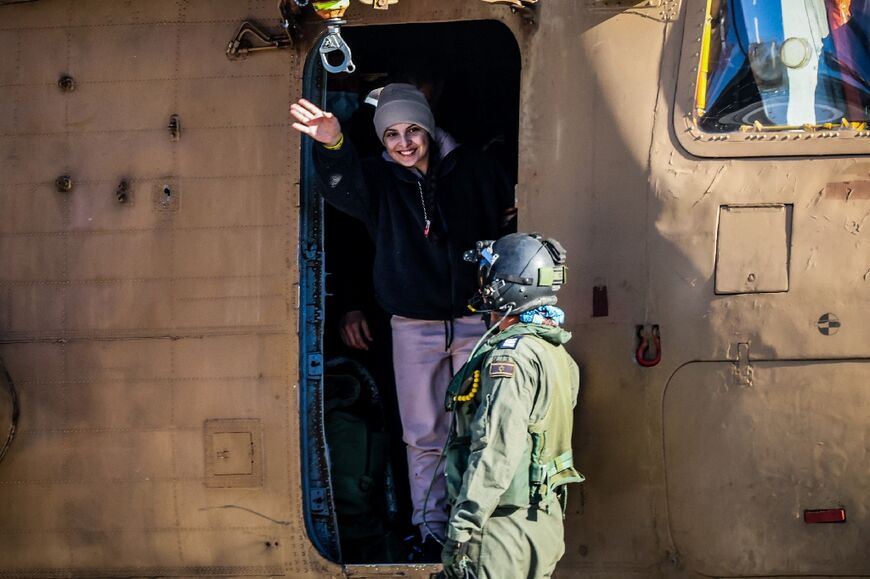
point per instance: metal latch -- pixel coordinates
(742, 367)
(250, 38)
(332, 11)
(334, 43)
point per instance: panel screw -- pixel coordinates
(63, 184)
(66, 83)
(750, 278)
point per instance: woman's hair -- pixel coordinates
(430, 186)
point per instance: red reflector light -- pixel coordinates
(825, 516)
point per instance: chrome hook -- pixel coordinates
(333, 42)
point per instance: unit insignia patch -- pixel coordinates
(501, 370)
(510, 343)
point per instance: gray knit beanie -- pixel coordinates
(402, 103)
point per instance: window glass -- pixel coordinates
(784, 65)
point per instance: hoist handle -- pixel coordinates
(333, 42)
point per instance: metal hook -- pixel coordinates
(648, 355)
(333, 42)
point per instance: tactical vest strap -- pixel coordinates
(562, 462)
(541, 473)
(542, 479)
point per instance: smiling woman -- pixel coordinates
(408, 145)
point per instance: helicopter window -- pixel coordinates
(794, 65)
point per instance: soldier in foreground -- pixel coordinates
(509, 454)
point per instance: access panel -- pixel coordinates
(766, 464)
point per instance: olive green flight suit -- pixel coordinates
(510, 450)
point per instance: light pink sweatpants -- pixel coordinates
(423, 357)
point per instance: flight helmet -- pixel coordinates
(519, 272)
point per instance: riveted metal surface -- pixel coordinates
(131, 325)
(127, 327)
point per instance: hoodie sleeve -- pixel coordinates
(498, 441)
(343, 182)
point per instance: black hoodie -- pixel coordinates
(416, 276)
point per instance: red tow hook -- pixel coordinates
(649, 347)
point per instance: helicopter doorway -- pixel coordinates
(470, 73)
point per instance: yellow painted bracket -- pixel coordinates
(328, 9)
(704, 64)
(844, 123)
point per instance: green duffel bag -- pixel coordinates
(361, 475)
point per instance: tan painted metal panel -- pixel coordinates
(751, 459)
(752, 247)
(135, 323)
(588, 94)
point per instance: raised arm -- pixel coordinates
(320, 125)
(336, 162)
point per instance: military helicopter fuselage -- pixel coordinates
(164, 261)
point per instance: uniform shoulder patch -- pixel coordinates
(510, 343)
(500, 369)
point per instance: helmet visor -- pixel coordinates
(484, 266)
